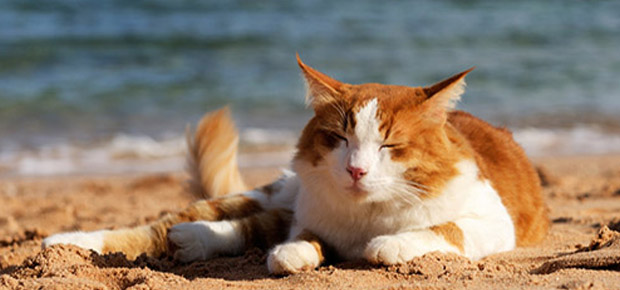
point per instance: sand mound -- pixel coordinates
(69, 267)
(434, 265)
(603, 253)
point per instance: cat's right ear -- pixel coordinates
(442, 96)
(321, 89)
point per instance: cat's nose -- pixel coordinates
(356, 172)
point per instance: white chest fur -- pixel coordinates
(349, 225)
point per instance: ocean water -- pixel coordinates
(97, 85)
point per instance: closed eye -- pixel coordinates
(387, 146)
(346, 141)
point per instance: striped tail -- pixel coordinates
(212, 156)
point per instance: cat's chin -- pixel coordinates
(357, 192)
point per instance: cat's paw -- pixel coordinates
(87, 240)
(202, 240)
(293, 257)
(390, 250)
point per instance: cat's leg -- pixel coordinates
(201, 240)
(473, 237)
(305, 251)
(152, 239)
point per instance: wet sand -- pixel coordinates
(582, 250)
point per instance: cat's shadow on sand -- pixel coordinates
(249, 266)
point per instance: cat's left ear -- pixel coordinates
(443, 96)
(322, 89)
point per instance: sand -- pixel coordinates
(582, 250)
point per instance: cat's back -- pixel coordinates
(505, 164)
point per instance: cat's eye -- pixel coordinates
(387, 146)
(346, 141)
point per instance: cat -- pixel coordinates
(382, 172)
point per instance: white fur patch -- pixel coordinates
(475, 207)
(87, 240)
(292, 257)
(367, 124)
(364, 145)
(202, 240)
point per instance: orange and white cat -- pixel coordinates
(382, 172)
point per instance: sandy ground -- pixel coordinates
(582, 250)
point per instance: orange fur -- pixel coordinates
(152, 239)
(212, 156)
(452, 233)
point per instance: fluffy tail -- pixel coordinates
(212, 156)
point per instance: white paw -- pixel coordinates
(292, 257)
(87, 240)
(202, 240)
(390, 250)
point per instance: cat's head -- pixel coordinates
(374, 142)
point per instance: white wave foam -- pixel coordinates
(122, 153)
(578, 140)
(144, 147)
(260, 136)
(127, 153)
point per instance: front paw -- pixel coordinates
(202, 240)
(293, 257)
(389, 250)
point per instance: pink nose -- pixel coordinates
(356, 172)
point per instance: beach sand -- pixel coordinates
(581, 251)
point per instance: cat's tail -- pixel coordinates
(212, 156)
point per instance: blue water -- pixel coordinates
(86, 70)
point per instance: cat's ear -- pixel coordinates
(321, 88)
(443, 96)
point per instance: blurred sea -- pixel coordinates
(94, 85)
